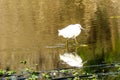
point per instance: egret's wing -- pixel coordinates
(64, 58)
(69, 62)
(70, 31)
(75, 57)
(68, 58)
(71, 59)
(68, 27)
(78, 58)
(73, 30)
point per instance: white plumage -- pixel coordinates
(72, 60)
(71, 31)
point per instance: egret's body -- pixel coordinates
(72, 60)
(71, 31)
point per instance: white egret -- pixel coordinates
(71, 31)
(72, 60)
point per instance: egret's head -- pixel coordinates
(80, 26)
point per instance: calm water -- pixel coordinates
(28, 30)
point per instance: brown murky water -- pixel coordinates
(29, 27)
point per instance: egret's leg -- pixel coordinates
(76, 40)
(76, 49)
(67, 45)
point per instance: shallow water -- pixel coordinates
(28, 31)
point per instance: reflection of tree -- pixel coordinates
(102, 30)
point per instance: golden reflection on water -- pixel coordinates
(27, 28)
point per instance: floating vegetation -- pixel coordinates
(63, 46)
(72, 73)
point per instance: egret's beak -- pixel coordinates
(82, 28)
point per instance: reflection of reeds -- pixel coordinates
(114, 17)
